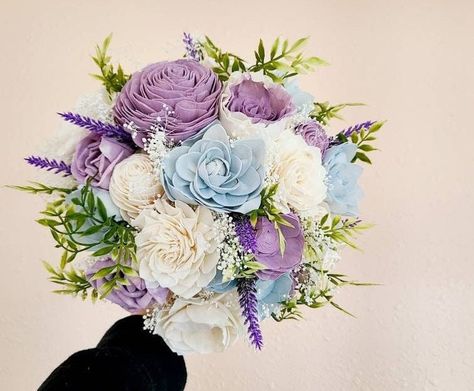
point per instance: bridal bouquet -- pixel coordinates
(204, 193)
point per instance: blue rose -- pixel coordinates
(343, 192)
(272, 292)
(215, 174)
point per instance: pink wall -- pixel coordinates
(412, 62)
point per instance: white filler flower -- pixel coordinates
(177, 247)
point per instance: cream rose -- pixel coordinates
(198, 326)
(300, 174)
(252, 105)
(134, 185)
(177, 247)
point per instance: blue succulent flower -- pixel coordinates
(272, 292)
(343, 192)
(217, 285)
(216, 174)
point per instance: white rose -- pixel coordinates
(134, 185)
(237, 124)
(177, 247)
(198, 326)
(300, 174)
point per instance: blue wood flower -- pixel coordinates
(216, 174)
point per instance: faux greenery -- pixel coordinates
(338, 230)
(83, 225)
(283, 60)
(324, 112)
(342, 230)
(225, 62)
(113, 80)
(71, 282)
(363, 140)
(39, 188)
(271, 212)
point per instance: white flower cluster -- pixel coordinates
(232, 255)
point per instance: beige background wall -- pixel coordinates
(411, 61)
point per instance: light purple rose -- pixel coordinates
(314, 134)
(267, 249)
(190, 90)
(96, 157)
(135, 297)
(260, 103)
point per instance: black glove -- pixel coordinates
(127, 358)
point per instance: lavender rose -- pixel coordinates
(258, 102)
(313, 134)
(96, 157)
(186, 88)
(267, 249)
(135, 297)
(252, 103)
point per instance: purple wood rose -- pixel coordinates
(267, 249)
(190, 90)
(135, 297)
(96, 157)
(314, 134)
(260, 103)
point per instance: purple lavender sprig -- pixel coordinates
(248, 302)
(246, 234)
(98, 127)
(192, 47)
(347, 133)
(356, 128)
(58, 167)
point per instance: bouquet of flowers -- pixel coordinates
(204, 193)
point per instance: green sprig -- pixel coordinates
(271, 212)
(363, 140)
(323, 112)
(39, 188)
(342, 230)
(283, 60)
(72, 282)
(225, 62)
(112, 80)
(75, 227)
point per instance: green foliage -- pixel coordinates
(71, 282)
(283, 60)
(363, 140)
(225, 62)
(289, 311)
(112, 80)
(83, 225)
(342, 230)
(249, 268)
(39, 188)
(323, 112)
(271, 212)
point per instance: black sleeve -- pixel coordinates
(127, 358)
